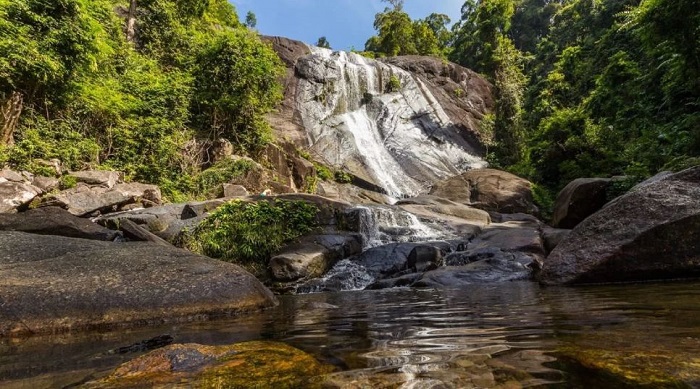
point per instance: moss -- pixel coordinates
(67, 182)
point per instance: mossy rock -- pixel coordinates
(255, 364)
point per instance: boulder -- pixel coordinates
(496, 269)
(11, 175)
(232, 190)
(135, 232)
(53, 284)
(55, 221)
(490, 190)
(85, 200)
(103, 178)
(46, 184)
(257, 364)
(552, 237)
(14, 195)
(579, 199)
(438, 208)
(313, 256)
(649, 233)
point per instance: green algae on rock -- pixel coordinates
(256, 364)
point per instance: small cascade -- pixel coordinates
(398, 139)
(345, 275)
(380, 225)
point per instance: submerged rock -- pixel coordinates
(502, 268)
(243, 365)
(652, 232)
(53, 284)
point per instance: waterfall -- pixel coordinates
(401, 140)
(380, 225)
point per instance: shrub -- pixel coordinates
(248, 233)
(394, 84)
(342, 177)
(208, 183)
(323, 172)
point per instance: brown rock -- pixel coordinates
(579, 199)
(463, 94)
(103, 178)
(490, 190)
(52, 284)
(243, 365)
(649, 233)
(83, 200)
(314, 256)
(232, 190)
(47, 184)
(55, 221)
(135, 232)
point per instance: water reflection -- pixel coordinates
(507, 335)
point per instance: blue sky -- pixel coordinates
(345, 23)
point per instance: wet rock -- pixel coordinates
(490, 190)
(507, 267)
(53, 284)
(579, 199)
(512, 236)
(423, 258)
(649, 233)
(243, 365)
(15, 195)
(552, 237)
(85, 200)
(313, 256)
(103, 178)
(387, 260)
(55, 221)
(435, 207)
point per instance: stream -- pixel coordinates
(508, 335)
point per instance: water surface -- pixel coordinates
(501, 335)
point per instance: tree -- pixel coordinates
(398, 34)
(250, 20)
(323, 42)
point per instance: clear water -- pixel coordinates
(505, 335)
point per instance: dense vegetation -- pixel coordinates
(145, 90)
(248, 233)
(583, 87)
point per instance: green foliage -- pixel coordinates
(236, 84)
(544, 200)
(94, 100)
(342, 177)
(398, 34)
(249, 233)
(209, 182)
(250, 20)
(323, 172)
(67, 182)
(394, 84)
(323, 42)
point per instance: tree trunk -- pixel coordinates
(131, 22)
(11, 110)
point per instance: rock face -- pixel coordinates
(652, 232)
(490, 190)
(351, 114)
(243, 365)
(53, 284)
(579, 199)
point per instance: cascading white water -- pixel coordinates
(397, 139)
(380, 225)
